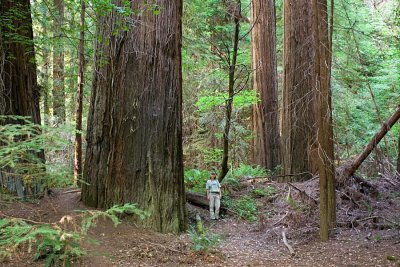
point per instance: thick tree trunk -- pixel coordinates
(298, 125)
(323, 107)
(79, 99)
(134, 138)
(58, 64)
(19, 93)
(354, 165)
(265, 114)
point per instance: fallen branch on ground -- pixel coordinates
(291, 250)
(350, 168)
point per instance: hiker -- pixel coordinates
(214, 195)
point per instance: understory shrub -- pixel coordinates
(201, 238)
(51, 242)
(245, 207)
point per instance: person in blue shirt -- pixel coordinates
(213, 188)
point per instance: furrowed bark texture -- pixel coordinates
(323, 108)
(298, 130)
(134, 139)
(58, 64)
(19, 93)
(265, 114)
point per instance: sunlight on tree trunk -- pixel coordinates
(79, 99)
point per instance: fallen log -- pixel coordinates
(201, 201)
(350, 169)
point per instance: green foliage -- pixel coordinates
(248, 171)
(210, 102)
(202, 239)
(245, 207)
(195, 180)
(91, 217)
(22, 141)
(268, 191)
(53, 244)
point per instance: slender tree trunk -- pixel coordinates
(46, 67)
(266, 124)
(134, 137)
(58, 64)
(79, 99)
(231, 94)
(298, 125)
(19, 93)
(398, 158)
(323, 107)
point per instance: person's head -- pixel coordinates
(213, 175)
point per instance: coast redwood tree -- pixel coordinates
(266, 150)
(298, 120)
(134, 138)
(19, 91)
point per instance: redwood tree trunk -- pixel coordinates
(323, 108)
(298, 130)
(58, 64)
(134, 139)
(79, 99)
(265, 114)
(19, 93)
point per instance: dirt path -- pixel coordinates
(242, 243)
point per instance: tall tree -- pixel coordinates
(134, 138)
(265, 114)
(398, 158)
(19, 92)
(58, 63)
(79, 98)
(298, 119)
(235, 16)
(323, 109)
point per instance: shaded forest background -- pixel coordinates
(365, 79)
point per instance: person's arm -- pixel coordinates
(220, 190)
(208, 190)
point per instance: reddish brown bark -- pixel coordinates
(298, 119)
(134, 137)
(266, 147)
(323, 109)
(19, 92)
(58, 63)
(79, 99)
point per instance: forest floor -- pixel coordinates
(368, 233)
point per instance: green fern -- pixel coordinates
(50, 242)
